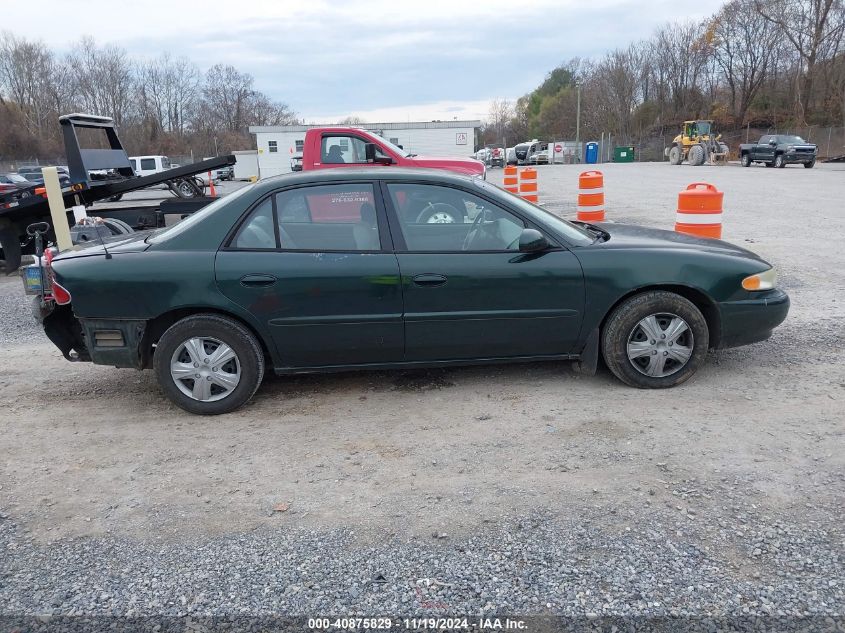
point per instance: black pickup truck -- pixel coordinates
(778, 150)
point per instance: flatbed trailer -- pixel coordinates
(21, 208)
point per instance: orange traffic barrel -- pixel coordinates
(700, 211)
(528, 184)
(511, 179)
(591, 196)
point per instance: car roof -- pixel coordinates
(365, 172)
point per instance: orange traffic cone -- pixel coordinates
(211, 188)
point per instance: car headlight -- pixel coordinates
(761, 281)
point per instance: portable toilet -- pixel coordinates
(591, 153)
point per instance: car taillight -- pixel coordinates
(49, 280)
(60, 295)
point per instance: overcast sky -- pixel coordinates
(383, 60)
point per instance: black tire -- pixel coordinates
(780, 162)
(675, 155)
(117, 227)
(623, 322)
(247, 348)
(810, 165)
(772, 164)
(745, 160)
(696, 155)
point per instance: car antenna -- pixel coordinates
(98, 222)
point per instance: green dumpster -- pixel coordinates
(623, 154)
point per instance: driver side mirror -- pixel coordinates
(370, 154)
(773, 143)
(532, 241)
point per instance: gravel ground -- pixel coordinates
(507, 490)
(735, 563)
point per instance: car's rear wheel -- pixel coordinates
(746, 160)
(810, 165)
(208, 364)
(780, 161)
(655, 340)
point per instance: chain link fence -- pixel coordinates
(830, 141)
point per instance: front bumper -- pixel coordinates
(752, 320)
(796, 157)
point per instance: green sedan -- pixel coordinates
(372, 268)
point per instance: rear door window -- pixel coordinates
(328, 218)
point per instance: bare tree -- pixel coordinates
(103, 79)
(680, 52)
(351, 120)
(742, 47)
(25, 70)
(810, 26)
(501, 113)
(168, 90)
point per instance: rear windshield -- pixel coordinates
(169, 232)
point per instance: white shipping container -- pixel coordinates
(246, 164)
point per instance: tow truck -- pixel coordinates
(99, 175)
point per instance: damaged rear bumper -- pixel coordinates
(115, 342)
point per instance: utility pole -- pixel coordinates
(578, 122)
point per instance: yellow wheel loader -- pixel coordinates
(697, 145)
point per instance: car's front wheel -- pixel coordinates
(655, 340)
(746, 160)
(780, 161)
(675, 156)
(208, 364)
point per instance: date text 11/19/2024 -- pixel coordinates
(417, 624)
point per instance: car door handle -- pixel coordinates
(429, 280)
(259, 280)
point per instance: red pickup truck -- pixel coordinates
(333, 147)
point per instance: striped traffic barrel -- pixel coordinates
(511, 179)
(700, 211)
(591, 196)
(528, 184)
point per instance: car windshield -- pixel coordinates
(703, 127)
(169, 232)
(16, 178)
(796, 140)
(575, 234)
(394, 148)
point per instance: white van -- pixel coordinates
(148, 165)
